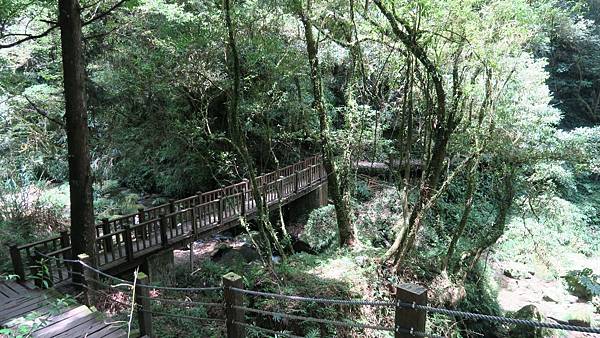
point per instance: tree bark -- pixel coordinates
(83, 232)
(238, 138)
(342, 207)
(444, 125)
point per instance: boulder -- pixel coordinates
(580, 317)
(527, 312)
(301, 246)
(517, 271)
(231, 256)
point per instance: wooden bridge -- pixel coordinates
(126, 241)
(26, 311)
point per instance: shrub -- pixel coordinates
(583, 283)
(321, 229)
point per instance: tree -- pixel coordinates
(336, 189)
(83, 231)
(238, 138)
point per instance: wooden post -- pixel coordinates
(243, 206)
(407, 320)
(296, 181)
(164, 240)
(17, 262)
(172, 211)
(142, 295)
(233, 298)
(194, 224)
(198, 197)
(220, 211)
(244, 200)
(280, 188)
(65, 242)
(192, 256)
(108, 244)
(65, 239)
(266, 195)
(89, 278)
(128, 243)
(141, 219)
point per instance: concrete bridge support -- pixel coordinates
(302, 206)
(160, 268)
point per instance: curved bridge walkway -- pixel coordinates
(124, 242)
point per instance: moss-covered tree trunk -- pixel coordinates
(336, 191)
(237, 137)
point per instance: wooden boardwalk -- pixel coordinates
(32, 312)
(124, 242)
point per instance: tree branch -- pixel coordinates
(43, 112)
(29, 37)
(54, 25)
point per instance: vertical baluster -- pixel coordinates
(117, 237)
(163, 231)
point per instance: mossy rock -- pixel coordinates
(580, 317)
(527, 312)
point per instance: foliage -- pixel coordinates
(481, 297)
(583, 283)
(320, 231)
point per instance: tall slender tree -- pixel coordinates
(336, 189)
(80, 176)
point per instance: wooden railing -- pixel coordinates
(123, 238)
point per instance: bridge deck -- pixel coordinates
(23, 307)
(124, 242)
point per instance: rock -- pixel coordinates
(230, 256)
(580, 317)
(301, 246)
(516, 270)
(527, 312)
(547, 298)
(580, 322)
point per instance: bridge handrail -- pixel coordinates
(208, 209)
(40, 242)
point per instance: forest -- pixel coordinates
(460, 140)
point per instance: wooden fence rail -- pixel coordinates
(123, 239)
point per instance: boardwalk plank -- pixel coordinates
(8, 292)
(106, 331)
(17, 309)
(68, 327)
(68, 322)
(62, 319)
(83, 329)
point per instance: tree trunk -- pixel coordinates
(342, 207)
(83, 232)
(471, 187)
(444, 125)
(239, 141)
